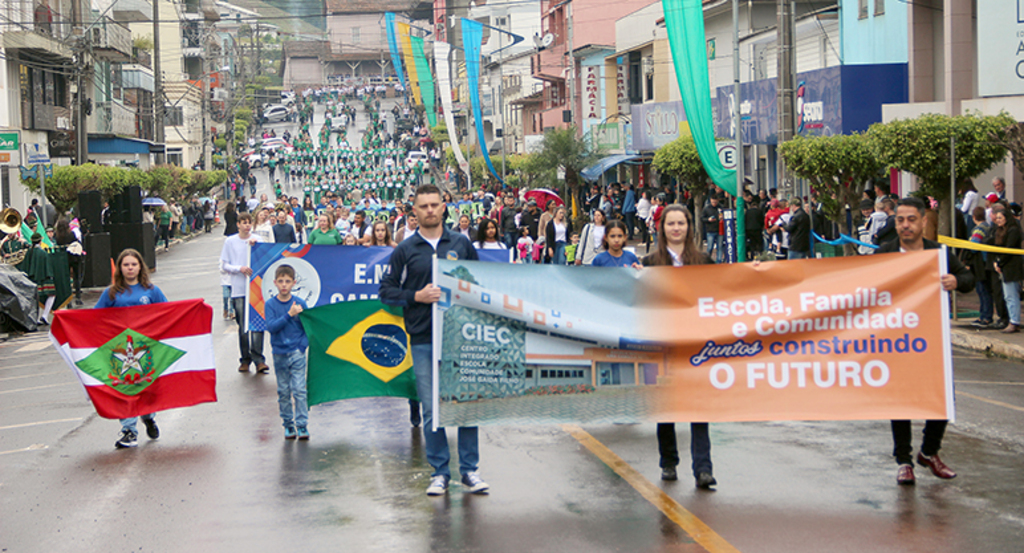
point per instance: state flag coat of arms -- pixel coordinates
(134, 361)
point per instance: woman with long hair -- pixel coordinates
(591, 239)
(132, 287)
(487, 236)
(381, 235)
(230, 219)
(465, 226)
(1010, 267)
(64, 236)
(614, 242)
(677, 247)
(557, 233)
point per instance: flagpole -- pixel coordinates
(741, 234)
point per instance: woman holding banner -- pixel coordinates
(677, 246)
(132, 287)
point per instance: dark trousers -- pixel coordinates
(165, 235)
(250, 344)
(700, 446)
(755, 242)
(902, 436)
(998, 301)
(630, 223)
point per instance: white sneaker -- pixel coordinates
(472, 483)
(438, 485)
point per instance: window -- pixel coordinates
(174, 116)
(879, 7)
(862, 9)
(355, 35)
(634, 83)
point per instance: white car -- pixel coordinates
(415, 157)
(254, 158)
(276, 114)
(288, 98)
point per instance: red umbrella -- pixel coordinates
(542, 196)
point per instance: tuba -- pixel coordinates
(10, 224)
(10, 221)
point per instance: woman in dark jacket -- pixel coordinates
(557, 235)
(677, 247)
(1010, 267)
(230, 220)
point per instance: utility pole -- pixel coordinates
(786, 10)
(81, 123)
(158, 88)
(741, 231)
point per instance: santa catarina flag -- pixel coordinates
(139, 360)
(357, 349)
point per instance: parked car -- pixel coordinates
(415, 157)
(255, 158)
(276, 114)
(287, 98)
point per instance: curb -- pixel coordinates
(975, 340)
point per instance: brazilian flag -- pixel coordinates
(357, 349)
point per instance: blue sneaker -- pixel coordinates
(472, 483)
(289, 432)
(438, 485)
(302, 432)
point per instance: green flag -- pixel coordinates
(426, 79)
(357, 349)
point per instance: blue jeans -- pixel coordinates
(228, 307)
(793, 254)
(290, 370)
(130, 422)
(714, 242)
(985, 298)
(438, 454)
(700, 447)
(1011, 294)
(250, 344)
(559, 257)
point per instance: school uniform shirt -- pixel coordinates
(286, 332)
(136, 294)
(605, 259)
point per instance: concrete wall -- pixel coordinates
(593, 21)
(371, 35)
(303, 72)
(172, 62)
(875, 38)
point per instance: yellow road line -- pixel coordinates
(991, 401)
(35, 388)
(38, 423)
(990, 382)
(700, 532)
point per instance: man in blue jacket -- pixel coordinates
(410, 284)
(629, 209)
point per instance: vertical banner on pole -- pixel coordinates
(472, 38)
(396, 58)
(425, 79)
(444, 86)
(405, 42)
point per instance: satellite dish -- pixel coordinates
(548, 40)
(536, 40)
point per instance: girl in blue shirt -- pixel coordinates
(132, 287)
(614, 241)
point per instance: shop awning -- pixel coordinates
(594, 172)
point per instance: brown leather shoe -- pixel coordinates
(262, 368)
(243, 368)
(905, 475)
(1010, 329)
(939, 468)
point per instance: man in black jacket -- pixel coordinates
(409, 284)
(507, 221)
(753, 224)
(531, 219)
(799, 229)
(709, 217)
(910, 226)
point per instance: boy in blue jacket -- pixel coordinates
(289, 343)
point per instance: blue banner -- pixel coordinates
(323, 274)
(396, 56)
(472, 37)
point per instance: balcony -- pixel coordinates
(111, 41)
(115, 118)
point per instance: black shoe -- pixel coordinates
(668, 474)
(415, 418)
(981, 324)
(999, 325)
(151, 429)
(705, 481)
(127, 439)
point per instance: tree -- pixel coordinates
(836, 167)
(1012, 138)
(63, 187)
(680, 160)
(562, 148)
(922, 147)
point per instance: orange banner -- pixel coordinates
(838, 339)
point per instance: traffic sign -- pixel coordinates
(727, 154)
(36, 153)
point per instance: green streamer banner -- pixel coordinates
(684, 20)
(426, 79)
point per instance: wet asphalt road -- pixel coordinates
(221, 478)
